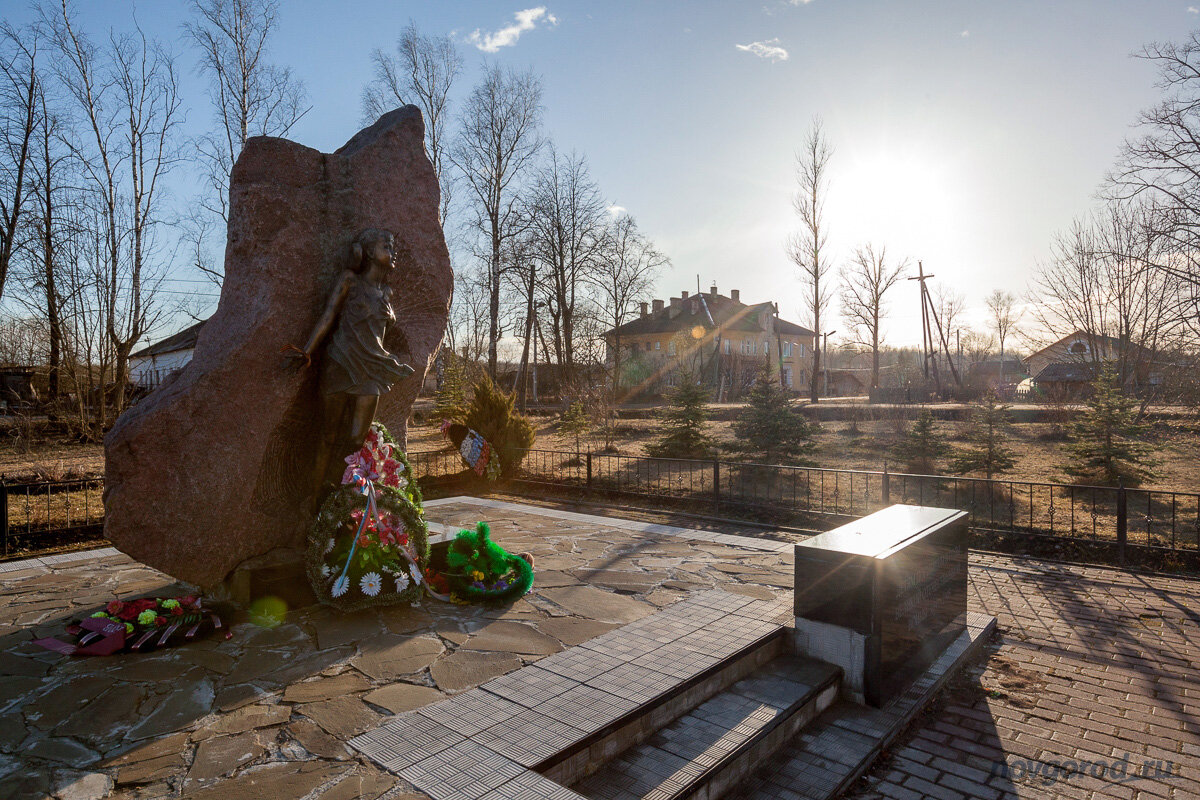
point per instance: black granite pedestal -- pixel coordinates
(883, 596)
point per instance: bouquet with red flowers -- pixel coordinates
(138, 626)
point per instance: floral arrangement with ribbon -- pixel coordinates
(474, 569)
(369, 543)
(138, 626)
(476, 452)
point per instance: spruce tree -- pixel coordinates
(1104, 444)
(492, 416)
(987, 433)
(771, 427)
(685, 421)
(923, 447)
(450, 400)
(575, 421)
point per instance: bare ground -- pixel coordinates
(1041, 454)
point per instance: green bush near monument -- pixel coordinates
(771, 428)
(1105, 444)
(491, 414)
(685, 420)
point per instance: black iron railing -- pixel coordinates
(1154, 518)
(36, 515)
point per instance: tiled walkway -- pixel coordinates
(1090, 664)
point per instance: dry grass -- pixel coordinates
(1039, 457)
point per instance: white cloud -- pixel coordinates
(616, 210)
(1193, 10)
(800, 2)
(769, 49)
(965, 34)
(526, 20)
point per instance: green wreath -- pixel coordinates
(372, 560)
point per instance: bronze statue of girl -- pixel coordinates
(356, 368)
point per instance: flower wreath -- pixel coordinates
(138, 626)
(369, 543)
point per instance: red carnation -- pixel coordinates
(114, 607)
(363, 541)
(177, 611)
(160, 621)
(128, 612)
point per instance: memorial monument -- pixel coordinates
(216, 468)
(883, 596)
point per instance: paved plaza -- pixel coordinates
(1089, 664)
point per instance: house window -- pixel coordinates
(658, 345)
(787, 350)
(671, 347)
(1078, 348)
(766, 348)
(727, 344)
(671, 378)
(801, 346)
(787, 377)
(635, 347)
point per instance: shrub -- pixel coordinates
(450, 400)
(987, 437)
(1104, 444)
(772, 427)
(491, 414)
(924, 447)
(685, 422)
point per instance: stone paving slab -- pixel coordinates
(1090, 663)
(274, 707)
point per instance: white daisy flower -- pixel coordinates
(401, 582)
(415, 571)
(370, 584)
(329, 546)
(326, 571)
(340, 586)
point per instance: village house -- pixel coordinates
(717, 339)
(1066, 368)
(151, 365)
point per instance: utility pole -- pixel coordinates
(928, 344)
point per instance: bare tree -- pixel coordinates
(128, 100)
(19, 120)
(250, 97)
(422, 71)
(1162, 165)
(807, 247)
(1097, 282)
(865, 281)
(496, 146)
(1002, 306)
(567, 228)
(949, 305)
(624, 274)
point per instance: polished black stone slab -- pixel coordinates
(895, 583)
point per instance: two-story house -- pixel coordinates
(717, 339)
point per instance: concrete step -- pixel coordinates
(705, 752)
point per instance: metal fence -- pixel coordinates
(34, 516)
(1123, 517)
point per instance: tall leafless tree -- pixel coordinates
(865, 281)
(567, 232)
(808, 247)
(1004, 314)
(421, 71)
(1162, 164)
(494, 151)
(19, 120)
(250, 96)
(127, 98)
(624, 275)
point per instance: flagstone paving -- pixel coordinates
(1090, 661)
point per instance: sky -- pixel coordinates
(965, 134)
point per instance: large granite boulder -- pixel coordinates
(211, 469)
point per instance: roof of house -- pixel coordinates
(1107, 342)
(726, 313)
(183, 340)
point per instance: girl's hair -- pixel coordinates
(362, 246)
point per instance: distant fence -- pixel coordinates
(38, 515)
(1119, 517)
